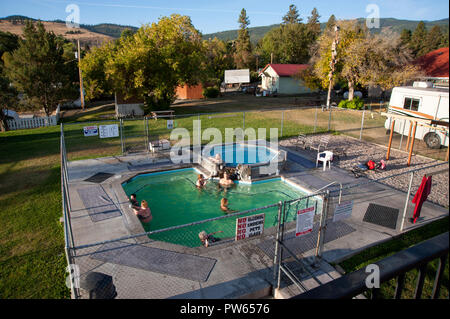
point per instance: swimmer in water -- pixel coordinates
(224, 206)
(226, 180)
(201, 181)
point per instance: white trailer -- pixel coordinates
(423, 103)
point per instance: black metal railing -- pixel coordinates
(395, 266)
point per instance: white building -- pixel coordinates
(279, 78)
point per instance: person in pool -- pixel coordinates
(224, 206)
(144, 213)
(206, 238)
(201, 181)
(134, 203)
(226, 180)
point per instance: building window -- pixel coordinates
(411, 104)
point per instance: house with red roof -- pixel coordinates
(435, 66)
(279, 78)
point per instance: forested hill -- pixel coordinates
(396, 25)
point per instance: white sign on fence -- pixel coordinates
(169, 124)
(107, 131)
(237, 76)
(90, 130)
(251, 226)
(343, 211)
(305, 221)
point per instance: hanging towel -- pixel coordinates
(421, 196)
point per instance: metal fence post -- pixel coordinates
(315, 120)
(403, 133)
(362, 124)
(243, 121)
(406, 202)
(323, 221)
(276, 261)
(121, 135)
(329, 120)
(282, 119)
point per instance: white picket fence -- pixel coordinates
(25, 123)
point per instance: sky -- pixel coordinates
(210, 16)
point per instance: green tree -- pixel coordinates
(331, 22)
(362, 59)
(292, 17)
(291, 41)
(93, 67)
(405, 37)
(243, 57)
(418, 39)
(433, 40)
(155, 60)
(313, 25)
(218, 58)
(38, 69)
(8, 94)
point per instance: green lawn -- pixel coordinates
(32, 260)
(402, 242)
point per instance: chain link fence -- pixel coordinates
(135, 134)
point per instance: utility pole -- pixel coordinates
(332, 63)
(271, 58)
(81, 77)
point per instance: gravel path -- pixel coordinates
(362, 151)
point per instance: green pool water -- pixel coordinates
(174, 200)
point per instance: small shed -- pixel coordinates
(190, 92)
(279, 78)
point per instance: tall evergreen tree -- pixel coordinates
(418, 39)
(38, 69)
(331, 22)
(243, 56)
(313, 24)
(405, 37)
(433, 40)
(292, 16)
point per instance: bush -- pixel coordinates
(355, 104)
(211, 92)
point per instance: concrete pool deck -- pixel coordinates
(242, 268)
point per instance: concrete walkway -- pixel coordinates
(242, 268)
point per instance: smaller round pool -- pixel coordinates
(234, 154)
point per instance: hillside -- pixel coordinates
(93, 35)
(85, 36)
(395, 25)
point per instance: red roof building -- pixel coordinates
(286, 69)
(280, 78)
(435, 63)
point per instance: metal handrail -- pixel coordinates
(334, 182)
(397, 265)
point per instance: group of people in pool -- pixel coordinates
(224, 181)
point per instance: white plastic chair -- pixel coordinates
(325, 157)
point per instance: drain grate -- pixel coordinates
(98, 178)
(382, 216)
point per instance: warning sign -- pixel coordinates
(251, 226)
(90, 131)
(343, 211)
(305, 221)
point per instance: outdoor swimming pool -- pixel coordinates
(234, 154)
(174, 200)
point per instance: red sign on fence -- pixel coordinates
(250, 226)
(305, 221)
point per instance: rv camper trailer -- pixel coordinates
(421, 102)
